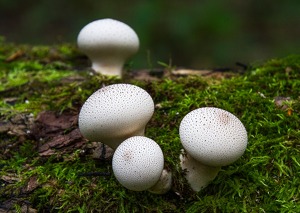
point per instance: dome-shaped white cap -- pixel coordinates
(138, 163)
(106, 37)
(115, 113)
(213, 136)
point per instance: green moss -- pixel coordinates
(265, 179)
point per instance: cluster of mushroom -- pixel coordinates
(117, 115)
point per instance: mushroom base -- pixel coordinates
(197, 174)
(114, 142)
(108, 67)
(164, 183)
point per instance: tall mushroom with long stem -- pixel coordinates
(108, 43)
(211, 138)
(114, 113)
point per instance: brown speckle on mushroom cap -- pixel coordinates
(138, 163)
(213, 136)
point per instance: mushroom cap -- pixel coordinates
(213, 136)
(107, 36)
(138, 163)
(114, 113)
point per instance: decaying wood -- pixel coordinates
(57, 133)
(52, 133)
(63, 143)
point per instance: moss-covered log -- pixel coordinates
(47, 166)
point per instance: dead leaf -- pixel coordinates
(282, 102)
(191, 72)
(10, 178)
(15, 55)
(49, 124)
(32, 184)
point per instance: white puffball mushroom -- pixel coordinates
(138, 163)
(108, 43)
(212, 138)
(114, 113)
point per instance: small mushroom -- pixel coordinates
(115, 113)
(138, 164)
(164, 184)
(212, 138)
(108, 43)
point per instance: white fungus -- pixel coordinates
(115, 113)
(213, 137)
(108, 43)
(197, 174)
(138, 163)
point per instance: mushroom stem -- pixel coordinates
(197, 174)
(107, 66)
(115, 142)
(163, 185)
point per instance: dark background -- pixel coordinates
(193, 34)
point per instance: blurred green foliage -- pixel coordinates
(191, 33)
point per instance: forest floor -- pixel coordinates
(47, 166)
